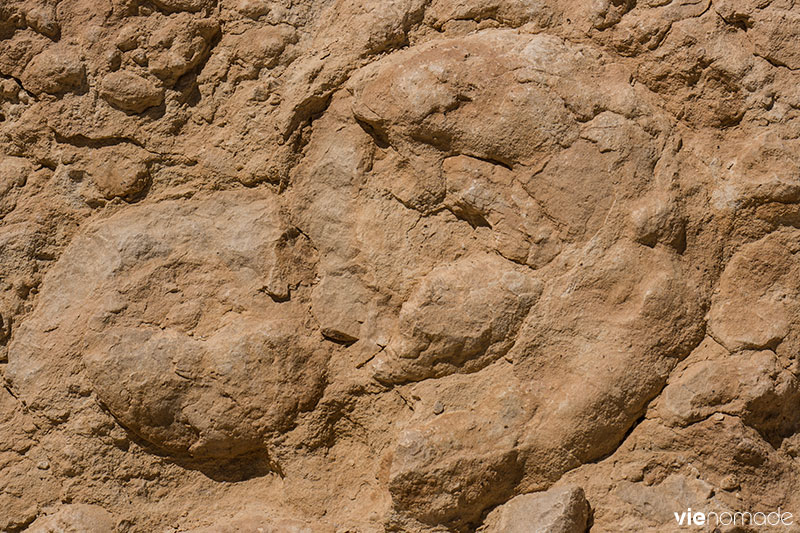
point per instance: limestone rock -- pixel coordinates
(462, 317)
(776, 27)
(590, 405)
(751, 385)
(14, 172)
(443, 115)
(56, 70)
(119, 171)
(42, 19)
(340, 304)
(179, 46)
(397, 265)
(130, 92)
(188, 376)
(562, 510)
(246, 522)
(764, 271)
(440, 473)
(183, 5)
(74, 518)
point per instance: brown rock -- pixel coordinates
(751, 385)
(119, 171)
(562, 510)
(179, 46)
(167, 368)
(76, 518)
(448, 468)
(57, 70)
(484, 300)
(246, 522)
(130, 92)
(171, 6)
(764, 271)
(398, 265)
(776, 28)
(14, 172)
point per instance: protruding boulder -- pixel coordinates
(58, 69)
(180, 45)
(130, 92)
(75, 518)
(756, 303)
(119, 171)
(448, 467)
(557, 510)
(599, 345)
(461, 317)
(14, 172)
(750, 384)
(195, 360)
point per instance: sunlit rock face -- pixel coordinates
(416, 266)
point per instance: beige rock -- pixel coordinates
(75, 518)
(751, 385)
(119, 171)
(462, 317)
(511, 13)
(420, 95)
(14, 172)
(183, 5)
(448, 468)
(487, 195)
(247, 522)
(764, 272)
(776, 28)
(341, 306)
(756, 171)
(56, 70)
(398, 265)
(588, 404)
(168, 369)
(562, 510)
(42, 19)
(253, 8)
(179, 46)
(675, 492)
(130, 92)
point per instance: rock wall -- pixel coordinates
(399, 265)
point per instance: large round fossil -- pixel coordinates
(167, 307)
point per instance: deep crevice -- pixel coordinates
(82, 141)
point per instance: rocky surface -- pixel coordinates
(408, 265)
(558, 510)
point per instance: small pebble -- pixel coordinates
(729, 483)
(438, 408)
(140, 58)
(114, 59)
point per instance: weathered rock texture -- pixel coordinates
(399, 265)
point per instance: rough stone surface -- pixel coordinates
(77, 518)
(420, 266)
(484, 300)
(130, 92)
(562, 510)
(55, 70)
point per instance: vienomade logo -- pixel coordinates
(738, 518)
